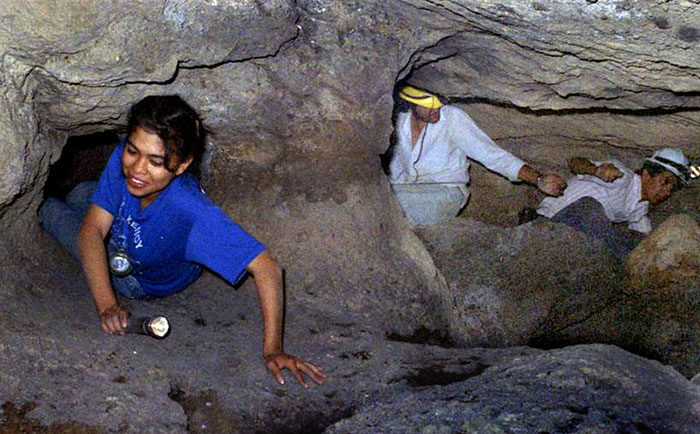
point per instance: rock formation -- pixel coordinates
(596, 388)
(669, 255)
(298, 95)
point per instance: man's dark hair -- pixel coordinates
(400, 106)
(654, 169)
(176, 123)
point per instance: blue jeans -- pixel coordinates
(62, 220)
(588, 215)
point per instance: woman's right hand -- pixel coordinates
(114, 319)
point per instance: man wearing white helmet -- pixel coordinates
(429, 169)
(607, 192)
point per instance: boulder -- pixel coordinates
(671, 254)
(588, 388)
(521, 285)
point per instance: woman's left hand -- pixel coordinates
(275, 362)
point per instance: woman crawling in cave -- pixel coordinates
(162, 228)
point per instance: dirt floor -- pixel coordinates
(61, 374)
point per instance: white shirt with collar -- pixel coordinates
(442, 151)
(621, 199)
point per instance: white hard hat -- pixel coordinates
(673, 160)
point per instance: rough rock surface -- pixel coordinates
(299, 97)
(547, 285)
(671, 254)
(553, 55)
(207, 376)
(583, 389)
(516, 286)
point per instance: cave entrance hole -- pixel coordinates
(83, 158)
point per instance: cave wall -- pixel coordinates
(298, 95)
(297, 127)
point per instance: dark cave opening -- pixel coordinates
(83, 159)
(425, 336)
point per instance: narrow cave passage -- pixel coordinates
(445, 151)
(83, 159)
(543, 285)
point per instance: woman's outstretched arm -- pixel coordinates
(269, 284)
(93, 255)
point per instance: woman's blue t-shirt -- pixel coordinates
(170, 239)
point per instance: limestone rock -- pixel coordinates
(547, 285)
(299, 96)
(670, 254)
(542, 54)
(520, 285)
(590, 388)
(110, 44)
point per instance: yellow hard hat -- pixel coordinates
(420, 97)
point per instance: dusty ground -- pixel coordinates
(206, 376)
(62, 373)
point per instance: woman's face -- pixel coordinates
(144, 166)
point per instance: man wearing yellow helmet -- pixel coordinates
(429, 170)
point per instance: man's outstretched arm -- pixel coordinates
(550, 183)
(583, 166)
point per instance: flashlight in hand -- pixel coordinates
(154, 326)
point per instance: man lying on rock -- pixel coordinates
(162, 228)
(607, 192)
(429, 169)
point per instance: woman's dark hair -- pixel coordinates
(176, 123)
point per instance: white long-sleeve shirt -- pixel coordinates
(442, 151)
(621, 199)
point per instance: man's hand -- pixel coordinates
(277, 361)
(114, 319)
(551, 184)
(608, 172)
